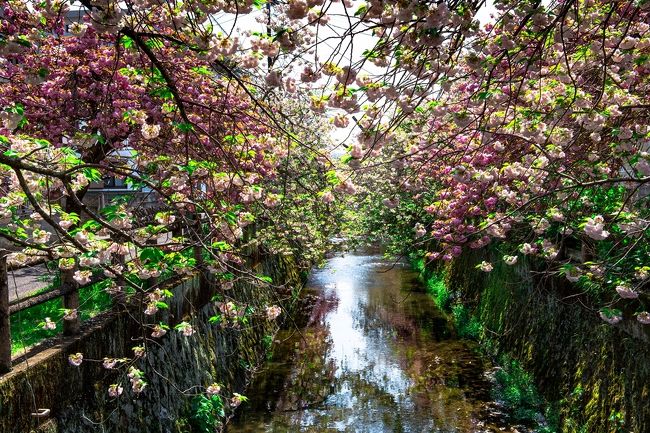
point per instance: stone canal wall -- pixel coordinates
(596, 375)
(176, 367)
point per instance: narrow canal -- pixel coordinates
(376, 356)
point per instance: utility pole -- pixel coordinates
(269, 60)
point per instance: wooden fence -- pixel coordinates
(5, 331)
(68, 289)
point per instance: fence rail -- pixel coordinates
(68, 289)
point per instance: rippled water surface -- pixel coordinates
(377, 356)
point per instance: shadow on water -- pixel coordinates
(375, 356)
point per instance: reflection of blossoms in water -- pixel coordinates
(373, 357)
(313, 374)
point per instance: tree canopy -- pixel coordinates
(527, 133)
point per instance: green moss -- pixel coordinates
(467, 324)
(418, 263)
(434, 283)
(515, 388)
(436, 287)
(497, 297)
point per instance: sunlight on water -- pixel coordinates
(381, 358)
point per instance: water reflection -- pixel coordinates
(376, 357)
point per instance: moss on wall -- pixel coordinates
(595, 374)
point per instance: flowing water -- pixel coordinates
(376, 356)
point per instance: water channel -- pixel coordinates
(376, 356)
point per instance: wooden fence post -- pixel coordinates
(119, 297)
(206, 284)
(5, 330)
(587, 251)
(71, 302)
(153, 242)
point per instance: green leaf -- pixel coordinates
(370, 54)
(151, 255)
(154, 43)
(22, 40)
(482, 96)
(92, 174)
(641, 60)
(11, 154)
(127, 42)
(110, 212)
(183, 126)
(133, 183)
(332, 177)
(231, 217)
(202, 70)
(163, 92)
(91, 225)
(221, 245)
(346, 158)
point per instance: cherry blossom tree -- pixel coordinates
(529, 133)
(536, 138)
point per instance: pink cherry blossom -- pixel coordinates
(76, 359)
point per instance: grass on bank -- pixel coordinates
(25, 325)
